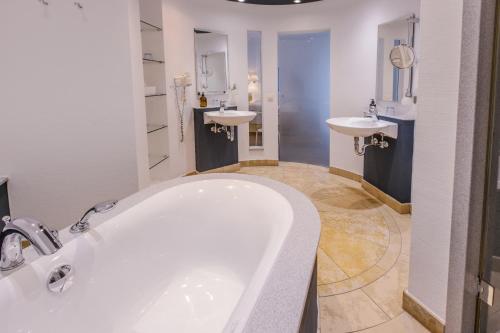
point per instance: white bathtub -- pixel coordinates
(217, 253)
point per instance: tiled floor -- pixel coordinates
(363, 256)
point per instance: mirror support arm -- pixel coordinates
(412, 22)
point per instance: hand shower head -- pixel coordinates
(101, 208)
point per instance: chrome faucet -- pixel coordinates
(44, 240)
(371, 114)
(222, 105)
(84, 225)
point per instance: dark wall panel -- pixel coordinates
(309, 322)
(213, 150)
(4, 203)
(391, 169)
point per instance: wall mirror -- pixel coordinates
(396, 60)
(255, 87)
(212, 72)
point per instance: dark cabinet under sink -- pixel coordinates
(213, 150)
(391, 169)
(4, 201)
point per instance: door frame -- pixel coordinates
(473, 123)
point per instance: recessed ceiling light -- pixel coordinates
(274, 2)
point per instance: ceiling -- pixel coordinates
(274, 2)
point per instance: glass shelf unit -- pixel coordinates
(156, 95)
(152, 61)
(156, 116)
(156, 127)
(155, 160)
(146, 26)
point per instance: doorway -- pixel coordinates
(304, 97)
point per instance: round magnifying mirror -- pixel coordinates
(402, 56)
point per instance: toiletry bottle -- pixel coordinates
(203, 101)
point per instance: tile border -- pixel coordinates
(375, 272)
(225, 169)
(346, 174)
(401, 208)
(422, 314)
(254, 163)
(235, 167)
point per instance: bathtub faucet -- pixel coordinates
(44, 240)
(84, 225)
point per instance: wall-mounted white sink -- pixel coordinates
(229, 118)
(363, 127)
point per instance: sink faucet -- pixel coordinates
(44, 240)
(84, 225)
(222, 105)
(372, 114)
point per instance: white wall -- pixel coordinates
(354, 26)
(68, 107)
(435, 137)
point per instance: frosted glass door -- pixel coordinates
(304, 97)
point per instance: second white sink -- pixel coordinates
(363, 127)
(229, 118)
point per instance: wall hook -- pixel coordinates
(79, 5)
(44, 2)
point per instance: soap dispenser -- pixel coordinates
(372, 110)
(373, 107)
